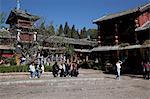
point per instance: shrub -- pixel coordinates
(14, 68)
(11, 60)
(21, 68)
(48, 68)
(91, 65)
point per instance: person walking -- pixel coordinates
(118, 65)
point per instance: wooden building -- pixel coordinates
(6, 44)
(124, 35)
(22, 27)
(62, 48)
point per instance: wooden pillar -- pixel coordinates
(99, 36)
(116, 38)
(135, 34)
(87, 57)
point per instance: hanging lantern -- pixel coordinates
(116, 37)
(137, 25)
(136, 21)
(116, 41)
(99, 42)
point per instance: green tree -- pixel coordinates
(41, 28)
(93, 33)
(73, 32)
(60, 30)
(69, 50)
(83, 33)
(2, 19)
(51, 29)
(77, 34)
(66, 30)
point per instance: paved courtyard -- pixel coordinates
(89, 85)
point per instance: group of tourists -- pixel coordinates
(64, 69)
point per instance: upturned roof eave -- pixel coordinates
(21, 13)
(116, 15)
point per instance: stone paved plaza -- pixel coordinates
(89, 85)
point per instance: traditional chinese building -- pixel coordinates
(126, 36)
(6, 44)
(62, 48)
(22, 27)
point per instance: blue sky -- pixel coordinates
(77, 12)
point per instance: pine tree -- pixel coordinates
(51, 29)
(78, 35)
(73, 32)
(66, 29)
(60, 30)
(2, 18)
(41, 29)
(83, 33)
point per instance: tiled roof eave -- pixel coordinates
(111, 48)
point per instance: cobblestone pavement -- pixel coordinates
(89, 85)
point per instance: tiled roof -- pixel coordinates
(6, 34)
(111, 48)
(23, 14)
(59, 39)
(111, 16)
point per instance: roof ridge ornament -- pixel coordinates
(18, 4)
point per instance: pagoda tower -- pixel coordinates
(22, 26)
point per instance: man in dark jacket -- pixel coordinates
(55, 69)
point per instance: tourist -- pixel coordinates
(42, 64)
(66, 73)
(32, 70)
(61, 70)
(55, 69)
(147, 70)
(118, 65)
(74, 70)
(37, 71)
